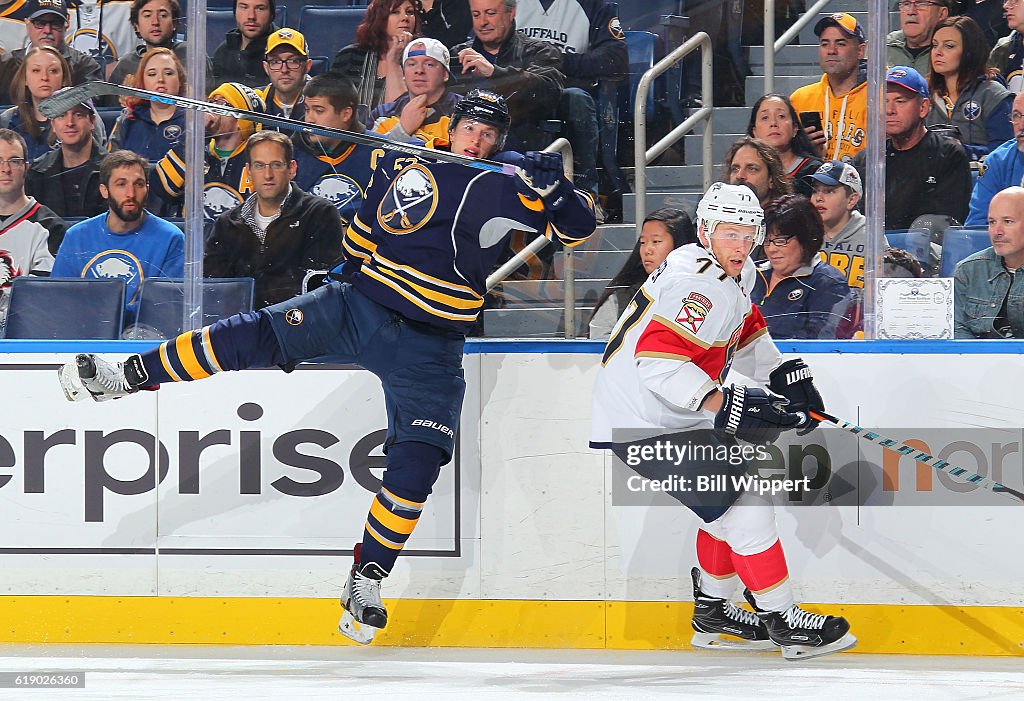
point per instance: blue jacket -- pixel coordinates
(1002, 168)
(136, 131)
(810, 303)
(980, 284)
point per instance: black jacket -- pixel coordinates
(307, 236)
(448, 21)
(527, 74)
(233, 64)
(44, 182)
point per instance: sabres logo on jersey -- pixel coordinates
(338, 189)
(409, 202)
(115, 264)
(971, 111)
(102, 50)
(219, 198)
(173, 133)
(615, 29)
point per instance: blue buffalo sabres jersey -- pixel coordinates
(340, 176)
(227, 182)
(428, 234)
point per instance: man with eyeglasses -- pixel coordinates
(26, 226)
(280, 232)
(1002, 168)
(46, 25)
(1008, 54)
(911, 44)
(288, 65)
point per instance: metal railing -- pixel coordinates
(642, 155)
(806, 18)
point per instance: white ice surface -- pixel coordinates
(223, 673)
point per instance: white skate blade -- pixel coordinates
(806, 652)
(71, 383)
(354, 630)
(717, 641)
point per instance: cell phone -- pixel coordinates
(810, 120)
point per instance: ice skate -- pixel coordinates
(91, 376)
(719, 624)
(802, 634)
(364, 613)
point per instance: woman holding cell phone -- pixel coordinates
(774, 121)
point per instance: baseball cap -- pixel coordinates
(41, 8)
(837, 173)
(287, 37)
(425, 46)
(847, 24)
(908, 78)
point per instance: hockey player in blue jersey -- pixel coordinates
(418, 251)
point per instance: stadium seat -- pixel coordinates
(161, 304)
(109, 115)
(65, 308)
(959, 243)
(641, 47)
(916, 242)
(328, 28)
(646, 15)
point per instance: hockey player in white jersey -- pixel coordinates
(663, 372)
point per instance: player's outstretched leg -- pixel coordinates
(719, 624)
(89, 375)
(364, 613)
(802, 634)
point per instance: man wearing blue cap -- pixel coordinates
(925, 172)
(837, 189)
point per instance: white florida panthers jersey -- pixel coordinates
(674, 344)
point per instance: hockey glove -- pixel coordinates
(754, 415)
(541, 172)
(793, 381)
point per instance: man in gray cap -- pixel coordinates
(837, 190)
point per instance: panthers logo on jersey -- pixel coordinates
(338, 189)
(218, 198)
(409, 202)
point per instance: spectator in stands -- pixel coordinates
(1003, 168)
(373, 62)
(838, 190)
(925, 173)
(593, 47)
(288, 65)
(446, 20)
(331, 168)
(125, 242)
(664, 230)
(156, 24)
(774, 121)
(841, 96)
(911, 44)
(757, 165)
(523, 70)
(42, 73)
(799, 294)
(13, 14)
(962, 94)
(1007, 56)
(67, 179)
(988, 14)
(987, 289)
(102, 29)
(227, 178)
(239, 58)
(24, 232)
(279, 233)
(422, 113)
(46, 25)
(148, 128)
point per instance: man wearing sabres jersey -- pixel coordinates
(663, 373)
(420, 248)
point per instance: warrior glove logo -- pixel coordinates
(409, 202)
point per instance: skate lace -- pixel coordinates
(111, 378)
(796, 617)
(741, 615)
(366, 591)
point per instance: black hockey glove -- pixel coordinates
(541, 172)
(793, 381)
(754, 415)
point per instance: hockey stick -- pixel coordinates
(66, 98)
(963, 475)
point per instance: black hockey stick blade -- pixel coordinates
(66, 98)
(961, 474)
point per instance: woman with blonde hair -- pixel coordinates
(149, 128)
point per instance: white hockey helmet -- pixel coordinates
(733, 204)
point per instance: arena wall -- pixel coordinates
(241, 531)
